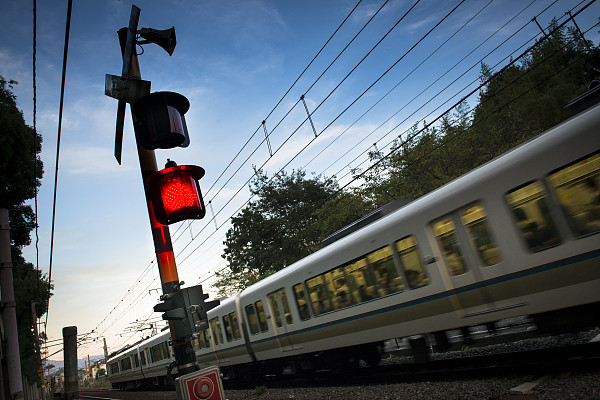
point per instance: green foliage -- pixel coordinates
(276, 230)
(19, 179)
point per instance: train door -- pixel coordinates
(217, 337)
(256, 320)
(467, 245)
(281, 318)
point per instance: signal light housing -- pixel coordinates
(161, 121)
(175, 193)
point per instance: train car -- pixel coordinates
(516, 236)
(144, 364)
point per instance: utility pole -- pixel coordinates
(70, 359)
(9, 313)
(105, 351)
(90, 369)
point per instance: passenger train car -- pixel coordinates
(516, 236)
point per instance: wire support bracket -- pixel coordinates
(585, 42)
(544, 33)
(308, 113)
(264, 124)
(213, 211)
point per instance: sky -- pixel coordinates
(234, 61)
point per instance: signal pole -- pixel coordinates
(185, 357)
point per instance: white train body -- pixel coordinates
(509, 238)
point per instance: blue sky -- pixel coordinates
(234, 60)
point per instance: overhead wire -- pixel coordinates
(297, 129)
(457, 103)
(437, 94)
(60, 113)
(221, 224)
(322, 102)
(345, 110)
(269, 114)
(292, 108)
(289, 89)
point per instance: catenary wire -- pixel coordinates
(449, 109)
(60, 112)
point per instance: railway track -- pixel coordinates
(535, 362)
(497, 372)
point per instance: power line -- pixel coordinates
(238, 209)
(269, 114)
(60, 112)
(454, 106)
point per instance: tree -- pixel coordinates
(21, 171)
(276, 230)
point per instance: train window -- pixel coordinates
(301, 302)
(475, 220)
(206, 338)
(275, 308)
(445, 233)
(411, 262)
(196, 343)
(234, 325)
(252, 320)
(215, 327)
(361, 277)
(577, 188)
(286, 306)
(319, 295)
(262, 320)
(529, 207)
(114, 368)
(159, 352)
(125, 364)
(384, 268)
(219, 331)
(338, 289)
(227, 326)
(279, 307)
(136, 361)
(200, 341)
(143, 357)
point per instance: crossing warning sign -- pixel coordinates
(201, 385)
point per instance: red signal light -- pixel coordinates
(176, 194)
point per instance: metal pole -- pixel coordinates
(70, 359)
(9, 313)
(105, 351)
(185, 357)
(37, 348)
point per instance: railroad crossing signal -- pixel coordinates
(176, 194)
(201, 385)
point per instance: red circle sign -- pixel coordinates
(203, 388)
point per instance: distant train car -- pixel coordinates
(516, 236)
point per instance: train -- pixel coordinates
(516, 236)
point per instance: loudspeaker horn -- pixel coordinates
(164, 38)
